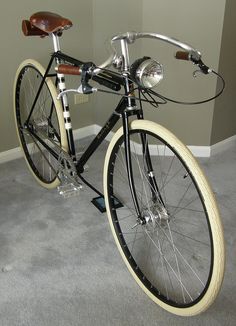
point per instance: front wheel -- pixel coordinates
(176, 252)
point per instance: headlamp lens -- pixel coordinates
(149, 73)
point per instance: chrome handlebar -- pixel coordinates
(131, 37)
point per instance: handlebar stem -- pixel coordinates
(125, 55)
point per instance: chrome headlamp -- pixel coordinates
(146, 72)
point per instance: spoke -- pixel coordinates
(149, 254)
(191, 238)
(123, 176)
(191, 252)
(176, 261)
(132, 232)
(168, 181)
(171, 249)
(35, 142)
(127, 216)
(162, 188)
(144, 177)
(182, 198)
(182, 256)
(136, 240)
(136, 232)
(41, 160)
(163, 265)
(170, 166)
(185, 207)
(142, 173)
(172, 269)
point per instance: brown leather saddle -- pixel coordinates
(44, 23)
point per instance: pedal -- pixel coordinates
(99, 202)
(69, 190)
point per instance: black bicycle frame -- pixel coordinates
(99, 138)
(125, 108)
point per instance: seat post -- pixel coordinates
(56, 43)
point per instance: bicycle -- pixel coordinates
(161, 210)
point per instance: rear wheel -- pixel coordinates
(44, 130)
(176, 251)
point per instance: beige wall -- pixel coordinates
(15, 47)
(110, 18)
(224, 120)
(200, 24)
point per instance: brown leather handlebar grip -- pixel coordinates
(68, 69)
(182, 55)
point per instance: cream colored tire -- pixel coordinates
(35, 66)
(218, 260)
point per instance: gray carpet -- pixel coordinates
(59, 264)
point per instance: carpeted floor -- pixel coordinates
(59, 265)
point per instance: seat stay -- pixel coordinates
(39, 90)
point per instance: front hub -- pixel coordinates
(156, 215)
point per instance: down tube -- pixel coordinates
(110, 123)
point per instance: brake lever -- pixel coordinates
(85, 76)
(195, 57)
(203, 68)
(199, 71)
(84, 87)
(79, 90)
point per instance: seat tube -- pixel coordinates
(64, 99)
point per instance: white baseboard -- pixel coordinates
(10, 155)
(198, 151)
(80, 133)
(85, 132)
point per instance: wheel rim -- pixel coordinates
(43, 120)
(172, 253)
